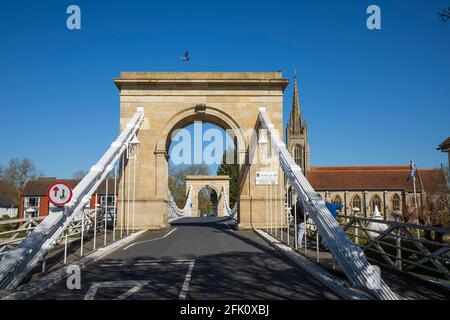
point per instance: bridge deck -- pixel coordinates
(201, 258)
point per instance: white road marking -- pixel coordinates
(139, 284)
(106, 265)
(114, 261)
(129, 292)
(155, 261)
(150, 240)
(185, 288)
(136, 286)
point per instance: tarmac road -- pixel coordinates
(198, 258)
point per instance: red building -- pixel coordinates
(34, 201)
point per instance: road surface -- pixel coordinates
(198, 258)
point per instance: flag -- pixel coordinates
(411, 173)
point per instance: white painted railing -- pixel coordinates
(350, 257)
(17, 263)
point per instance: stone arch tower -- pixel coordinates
(172, 100)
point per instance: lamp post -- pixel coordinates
(132, 153)
(262, 142)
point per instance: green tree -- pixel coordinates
(230, 169)
(177, 178)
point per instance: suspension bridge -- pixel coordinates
(143, 246)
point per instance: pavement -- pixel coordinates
(196, 259)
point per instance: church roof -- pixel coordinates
(375, 178)
(445, 146)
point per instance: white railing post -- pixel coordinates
(95, 221)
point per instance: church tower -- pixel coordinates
(297, 134)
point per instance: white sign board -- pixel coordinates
(264, 178)
(59, 193)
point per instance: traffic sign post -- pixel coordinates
(59, 193)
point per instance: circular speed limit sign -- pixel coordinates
(59, 193)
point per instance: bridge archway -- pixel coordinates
(217, 183)
(201, 113)
(173, 100)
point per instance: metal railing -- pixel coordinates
(349, 256)
(14, 231)
(17, 263)
(396, 244)
(85, 226)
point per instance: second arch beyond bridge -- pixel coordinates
(217, 183)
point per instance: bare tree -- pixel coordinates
(444, 14)
(434, 209)
(80, 174)
(18, 173)
(177, 180)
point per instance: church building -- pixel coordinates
(359, 188)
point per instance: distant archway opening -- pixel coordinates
(207, 202)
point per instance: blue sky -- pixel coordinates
(370, 97)
(211, 157)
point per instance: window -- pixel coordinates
(396, 202)
(31, 206)
(337, 200)
(376, 202)
(412, 202)
(356, 203)
(32, 201)
(298, 155)
(111, 201)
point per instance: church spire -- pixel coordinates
(296, 115)
(297, 133)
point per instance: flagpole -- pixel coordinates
(415, 204)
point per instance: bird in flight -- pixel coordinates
(185, 57)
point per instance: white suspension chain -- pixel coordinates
(17, 263)
(351, 257)
(227, 210)
(174, 212)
